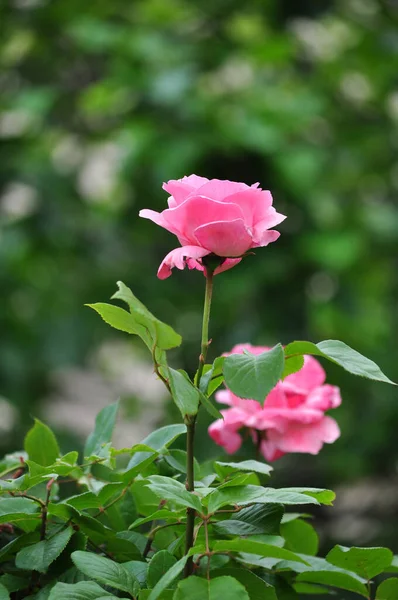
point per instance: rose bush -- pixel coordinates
(224, 218)
(157, 525)
(292, 418)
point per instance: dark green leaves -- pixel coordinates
(388, 590)
(104, 426)
(39, 557)
(83, 590)
(160, 564)
(214, 589)
(168, 578)
(365, 562)
(341, 354)
(258, 548)
(41, 444)
(254, 376)
(106, 571)
(170, 489)
(4, 595)
(255, 586)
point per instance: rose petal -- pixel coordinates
(180, 189)
(267, 237)
(177, 258)
(196, 211)
(256, 205)
(310, 376)
(324, 397)
(224, 238)
(219, 189)
(270, 451)
(224, 436)
(305, 439)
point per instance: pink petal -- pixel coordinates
(219, 189)
(305, 438)
(270, 451)
(177, 258)
(221, 435)
(311, 376)
(324, 397)
(185, 218)
(267, 237)
(224, 238)
(179, 189)
(256, 205)
(240, 348)
(152, 215)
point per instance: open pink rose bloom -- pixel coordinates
(293, 416)
(217, 217)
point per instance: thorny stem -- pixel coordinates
(191, 421)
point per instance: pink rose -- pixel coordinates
(293, 416)
(223, 218)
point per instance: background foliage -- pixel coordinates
(101, 102)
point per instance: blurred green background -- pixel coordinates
(101, 102)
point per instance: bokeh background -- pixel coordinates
(103, 101)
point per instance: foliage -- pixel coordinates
(148, 522)
(74, 530)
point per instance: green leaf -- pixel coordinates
(254, 585)
(184, 393)
(22, 512)
(195, 588)
(322, 496)
(247, 494)
(334, 579)
(164, 335)
(116, 317)
(264, 516)
(159, 440)
(103, 430)
(300, 537)
(210, 407)
(170, 489)
(165, 595)
(388, 589)
(106, 571)
(235, 527)
(365, 562)
(160, 563)
(212, 377)
(292, 365)
(4, 594)
(226, 468)
(83, 590)
(168, 578)
(162, 514)
(41, 444)
(177, 459)
(38, 557)
(320, 571)
(254, 376)
(341, 354)
(310, 588)
(258, 548)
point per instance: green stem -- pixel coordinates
(205, 325)
(191, 422)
